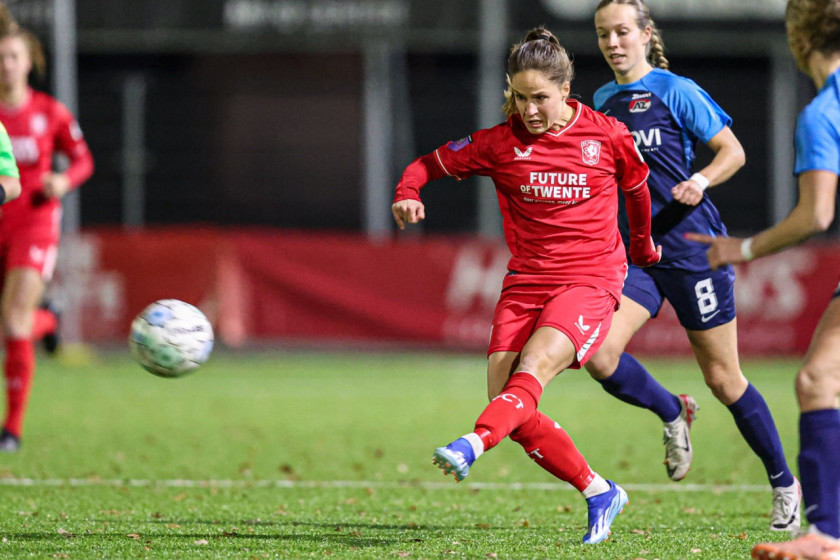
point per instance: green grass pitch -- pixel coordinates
(328, 454)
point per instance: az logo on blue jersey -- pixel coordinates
(639, 105)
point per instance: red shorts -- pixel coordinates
(29, 249)
(583, 313)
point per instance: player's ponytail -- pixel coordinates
(540, 50)
(655, 49)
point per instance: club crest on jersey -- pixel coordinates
(458, 144)
(591, 151)
(639, 105)
(523, 154)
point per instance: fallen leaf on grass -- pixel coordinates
(202, 541)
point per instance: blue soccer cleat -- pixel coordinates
(603, 509)
(455, 459)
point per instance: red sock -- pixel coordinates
(19, 369)
(513, 407)
(44, 322)
(551, 447)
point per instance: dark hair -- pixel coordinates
(540, 50)
(10, 28)
(656, 47)
(812, 26)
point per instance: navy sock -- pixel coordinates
(756, 424)
(819, 467)
(633, 384)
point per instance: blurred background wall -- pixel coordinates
(300, 115)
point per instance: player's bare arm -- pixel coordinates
(729, 158)
(408, 212)
(812, 214)
(11, 185)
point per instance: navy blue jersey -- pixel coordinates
(667, 114)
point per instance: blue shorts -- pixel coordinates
(703, 298)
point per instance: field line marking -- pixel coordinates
(187, 483)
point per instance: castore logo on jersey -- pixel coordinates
(523, 154)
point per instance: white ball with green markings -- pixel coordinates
(171, 338)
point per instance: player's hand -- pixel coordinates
(646, 253)
(408, 212)
(687, 192)
(722, 250)
(55, 185)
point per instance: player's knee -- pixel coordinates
(543, 364)
(602, 364)
(726, 385)
(817, 387)
(17, 320)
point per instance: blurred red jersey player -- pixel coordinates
(39, 126)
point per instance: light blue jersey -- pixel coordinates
(817, 137)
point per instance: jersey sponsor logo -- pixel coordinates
(454, 146)
(639, 105)
(644, 95)
(25, 149)
(556, 187)
(523, 154)
(647, 138)
(591, 151)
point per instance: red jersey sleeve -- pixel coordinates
(458, 159)
(70, 141)
(419, 172)
(632, 173)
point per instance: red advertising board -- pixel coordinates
(264, 285)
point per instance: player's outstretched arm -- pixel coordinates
(812, 214)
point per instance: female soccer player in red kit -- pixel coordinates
(39, 126)
(557, 166)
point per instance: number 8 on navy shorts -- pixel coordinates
(703, 298)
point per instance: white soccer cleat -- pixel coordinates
(678, 452)
(786, 511)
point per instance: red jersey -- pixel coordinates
(38, 129)
(558, 193)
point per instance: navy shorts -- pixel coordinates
(703, 298)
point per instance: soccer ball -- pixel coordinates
(171, 338)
